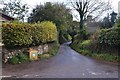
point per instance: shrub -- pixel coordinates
(105, 41)
(117, 24)
(66, 35)
(19, 58)
(107, 57)
(62, 38)
(16, 34)
(83, 34)
(84, 52)
(76, 44)
(48, 31)
(14, 60)
(69, 37)
(36, 33)
(22, 58)
(45, 56)
(53, 51)
(85, 43)
(110, 36)
(102, 45)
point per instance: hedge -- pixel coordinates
(43, 32)
(48, 32)
(23, 34)
(16, 34)
(110, 36)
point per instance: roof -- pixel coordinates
(2, 15)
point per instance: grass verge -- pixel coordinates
(100, 56)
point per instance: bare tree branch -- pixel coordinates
(88, 7)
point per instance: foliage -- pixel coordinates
(109, 21)
(117, 23)
(0, 34)
(15, 8)
(106, 22)
(85, 43)
(14, 60)
(53, 51)
(102, 45)
(22, 58)
(69, 37)
(36, 33)
(43, 56)
(44, 32)
(73, 30)
(88, 7)
(64, 37)
(58, 13)
(107, 57)
(18, 34)
(82, 35)
(55, 12)
(105, 41)
(76, 45)
(49, 31)
(110, 36)
(86, 49)
(19, 58)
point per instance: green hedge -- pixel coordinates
(24, 34)
(16, 34)
(19, 58)
(110, 36)
(43, 32)
(48, 32)
(102, 45)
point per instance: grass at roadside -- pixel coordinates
(100, 56)
(23, 57)
(52, 52)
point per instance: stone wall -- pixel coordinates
(8, 53)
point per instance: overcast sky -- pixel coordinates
(33, 3)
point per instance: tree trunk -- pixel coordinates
(81, 23)
(82, 35)
(81, 26)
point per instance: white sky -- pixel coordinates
(33, 3)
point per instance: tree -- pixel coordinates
(109, 21)
(113, 18)
(15, 9)
(106, 22)
(58, 13)
(87, 7)
(74, 29)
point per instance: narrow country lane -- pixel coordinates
(66, 64)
